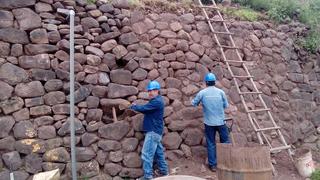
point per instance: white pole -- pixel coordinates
(72, 129)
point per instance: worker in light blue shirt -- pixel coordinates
(214, 102)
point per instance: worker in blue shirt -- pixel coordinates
(153, 127)
(214, 102)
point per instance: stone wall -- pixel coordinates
(118, 51)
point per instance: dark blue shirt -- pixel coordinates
(153, 114)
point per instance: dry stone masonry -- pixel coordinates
(117, 51)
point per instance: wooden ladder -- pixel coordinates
(244, 96)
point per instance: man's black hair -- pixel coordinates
(210, 83)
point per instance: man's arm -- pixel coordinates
(197, 99)
(151, 105)
(224, 100)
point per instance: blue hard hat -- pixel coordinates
(153, 85)
(210, 77)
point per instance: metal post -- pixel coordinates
(72, 130)
(71, 14)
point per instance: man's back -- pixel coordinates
(214, 102)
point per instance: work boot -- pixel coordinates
(213, 168)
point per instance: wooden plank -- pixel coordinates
(244, 93)
(225, 33)
(268, 129)
(209, 7)
(229, 47)
(258, 110)
(114, 113)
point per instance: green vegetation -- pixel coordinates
(246, 14)
(306, 11)
(91, 1)
(315, 175)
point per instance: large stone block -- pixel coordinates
(40, 110)
(112, 168)
(88, 138)
(132, 160)
(12, 74)
(65, 128)
(12, 160)
(39, 36)
(6, 91)
(84, 154)
(8, 4)
(131, 172)
(6, 124)
(114, 131)
(31, 102)
(94, 115)
(109, 145)
(121, 76)
(53, 85)
(85, 169)
(24, 130)
(129, 144)
(33, 163)
(172, 140)
(27, 18)
(47, 132)
(28, 146)
(23, 114)
(7, 143)
(41, 61)
(57, 155)
(11, 105)
(28, 90)
(13, 35)
(54, 97)
(116, 90)
(6, 19)
(192, 137)
(42, 75)
(4, 49)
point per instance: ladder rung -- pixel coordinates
(217, 20)
(229, 47)
(226, 33)
(234, 61)
(280, 148)
(250, 92)
(268, 129)
(257, 110)
(210, 7)
(242, 76)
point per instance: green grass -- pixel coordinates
(307, 12)
(315, 175)
(246, 14)
(91, 1)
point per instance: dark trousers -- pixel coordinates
(210, 133)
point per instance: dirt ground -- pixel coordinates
(197, 167)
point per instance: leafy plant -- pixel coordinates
(243, 13)
(315, 175)
(283, 9)
(312, 42)
(260, 4)
(91, 1)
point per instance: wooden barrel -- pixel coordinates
(243, 163)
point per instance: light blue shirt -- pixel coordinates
(214, 101)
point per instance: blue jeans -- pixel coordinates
(210, 133)
(153, 149)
